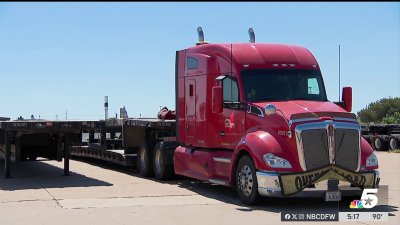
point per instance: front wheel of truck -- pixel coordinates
(246, 181)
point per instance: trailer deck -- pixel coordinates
(134, 131)
(116, 156)
(49, 139)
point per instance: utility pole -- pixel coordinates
(105, 108)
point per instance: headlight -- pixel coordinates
(372, 160)
(275, 161)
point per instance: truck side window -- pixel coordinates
(230, 90)
(191, 63)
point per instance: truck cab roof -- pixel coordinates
(260, 54)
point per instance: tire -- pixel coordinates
(379, 144)
(145, 159)
(161, 170)
(393, 144)
(246, 181)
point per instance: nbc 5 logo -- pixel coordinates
(368, 198)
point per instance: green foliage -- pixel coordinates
(386, 110)
(393, 119)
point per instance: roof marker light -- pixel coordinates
(246, 65)
(275, 64)
(314, 65)
(292, 65)
(284, 65)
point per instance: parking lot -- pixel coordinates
(99, 193)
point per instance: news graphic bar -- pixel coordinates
(364, 216)
(369, 206)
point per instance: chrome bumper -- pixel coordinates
(270, 186)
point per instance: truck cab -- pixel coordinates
(255, 116)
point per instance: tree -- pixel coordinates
(386, 110)
(393, 119)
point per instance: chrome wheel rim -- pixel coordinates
(393, 144)
(142, 159)
(245, 180)
(158, 161)
(377, 143)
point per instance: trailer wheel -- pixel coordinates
(379, 144)
(161, 170)
(144, 159)
(246, 181)
(393, 144)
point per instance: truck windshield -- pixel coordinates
(281, 85)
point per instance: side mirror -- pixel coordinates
(347, 98)
(216, 102)
(270, 110)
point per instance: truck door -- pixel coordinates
(232, 119)
(190, 109)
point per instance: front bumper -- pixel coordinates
(269, 185)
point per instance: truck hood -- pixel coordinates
(293, 107)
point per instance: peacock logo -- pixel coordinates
(356, 204)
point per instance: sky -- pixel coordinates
(58, 60)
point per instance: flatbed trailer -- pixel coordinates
(29, 139)
(135, 133)
(382, 137)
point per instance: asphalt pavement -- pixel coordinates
(101, 193)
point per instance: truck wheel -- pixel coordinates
(246, 181)
(393, 144)
(144, 159)
(161, 170)
(379, 144)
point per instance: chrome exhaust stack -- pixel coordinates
(252, 35)
(200, 35)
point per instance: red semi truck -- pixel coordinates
(252, 116)
(256, 117)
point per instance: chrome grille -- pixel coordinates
(346, 144)
(317, 147)
(315, 143)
